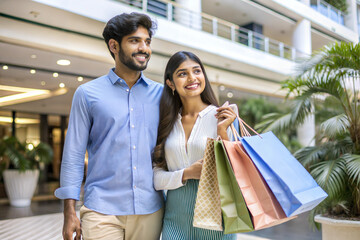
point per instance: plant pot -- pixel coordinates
(335, 229)
(20, 186)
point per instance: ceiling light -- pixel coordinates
(33, 56)
(80, 79)
(222, 88)
(55, 74)
(32, 71)
(62, 85)
(229, 94)
(43, 83)
(27, 94)
(19, 120)
(5, 67)
(63, 62)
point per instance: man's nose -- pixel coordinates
(142, 46)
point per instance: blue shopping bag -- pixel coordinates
(292, 185)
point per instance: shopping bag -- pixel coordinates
(207, 212)
(292, 185)
(235, 213)
(264, 209)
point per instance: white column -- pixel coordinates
(351, 17)
(191, 14)
(302, 42)
(301, 38)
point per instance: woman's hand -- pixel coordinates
(226, 117)
(193, 172)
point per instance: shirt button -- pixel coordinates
(134, 186)
(134, 168)
(134, 147)
(132, 126)
(131, 109)
(127, 90)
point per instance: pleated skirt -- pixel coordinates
(179, 214)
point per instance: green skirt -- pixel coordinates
(179, 214)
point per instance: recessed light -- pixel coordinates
(229, 94)
(80, 79)
(32, 71)
(55, 74)
(5, 67)
(33, 56)
(222, 88)
(62, 85)
(43, 83)
(63, 62)
(30, 146)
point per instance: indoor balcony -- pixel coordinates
(328, 10)
(174, 12)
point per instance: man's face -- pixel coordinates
(135, 49)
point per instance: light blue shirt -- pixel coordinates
(118, 127)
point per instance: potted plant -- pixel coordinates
(329, 82)
(22, 163)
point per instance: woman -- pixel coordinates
(189, 114)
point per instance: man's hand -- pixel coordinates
(71, 221)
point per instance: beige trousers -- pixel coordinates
(97, 226)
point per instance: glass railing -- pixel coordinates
(328, 10)
(172, 11)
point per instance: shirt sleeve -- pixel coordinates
(72, 166)
(166, 180)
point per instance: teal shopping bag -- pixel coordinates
(292, 185)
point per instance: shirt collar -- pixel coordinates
(115, 78)
(206, 110)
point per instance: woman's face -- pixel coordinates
(189, 79)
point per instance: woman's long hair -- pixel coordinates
(170, 104)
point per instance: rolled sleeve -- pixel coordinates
(72, 166)
(166, 180)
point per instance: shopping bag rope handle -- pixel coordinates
(243, 130)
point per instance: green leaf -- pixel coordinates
(353, 166)
(310, 155)
(331, 176)
(334, 126)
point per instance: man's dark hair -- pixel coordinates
(125, 24)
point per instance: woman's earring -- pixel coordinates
(173, 90)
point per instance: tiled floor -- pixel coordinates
(43, 221)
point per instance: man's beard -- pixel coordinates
(130, 62)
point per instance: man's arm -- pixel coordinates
(72, 165)
(71, 221)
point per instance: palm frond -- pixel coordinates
(353, 167)
(334, 126)
(276, 122)
(14, 151)
(44, 152)
(310, 155)
(336, 56)
(331, 176)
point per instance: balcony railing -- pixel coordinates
(328, 10)
(172, 11)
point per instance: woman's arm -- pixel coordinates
(166, 180)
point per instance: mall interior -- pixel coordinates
(50, 47)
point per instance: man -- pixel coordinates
(115, 118)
